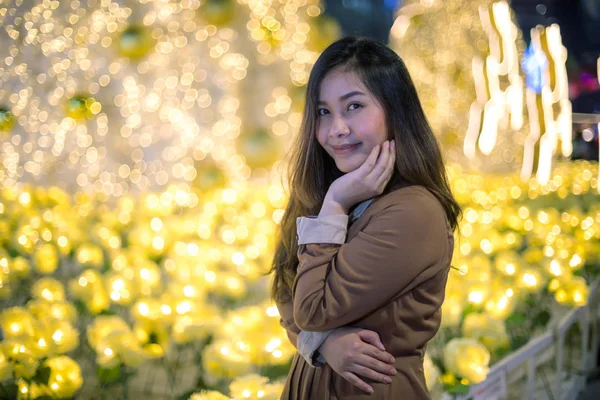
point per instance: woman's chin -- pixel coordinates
(347, 167)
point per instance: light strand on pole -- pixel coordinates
(495, 102)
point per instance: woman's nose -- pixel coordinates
(339, 127)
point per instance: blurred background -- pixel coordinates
(579, 21)
(142, 182)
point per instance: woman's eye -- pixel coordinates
(322, 111)
(354, 106)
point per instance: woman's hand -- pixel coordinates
(354, 352)
(367, 181)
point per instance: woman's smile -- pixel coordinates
(345, 149)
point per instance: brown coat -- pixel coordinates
(390, 277)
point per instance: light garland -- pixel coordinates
(494, 103)
(546, 130)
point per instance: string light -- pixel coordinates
(545, 129)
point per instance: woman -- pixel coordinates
(367, 236)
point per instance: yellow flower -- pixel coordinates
(153, 336)
(432, 373)
(6, 276)
(30, 390)
(48, 289)
(256, 331)
(114, 342)
(46, 258)
(448, 379)
(90, 255)
(452, 307)
(467, 358)
(20, 267)
(64, 336)
(489, 331)
(22, 359)
(6, 369)
(255, 387)
(197, 325)
(148, 278)
(65, 376)
(121, 290)
(89, 288)
(40, 343)
(147, 309)
(573, 291)
(248, 387)
(223, 360)
(209, 395)
(59, 310)
(17, 322)
(104, 325)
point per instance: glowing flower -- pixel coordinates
(467, 358)
(255, 387)
(48, 289)
(65, 376)
(59, 310)
(21, 357)
(114, 342)
(432, 373)
(89, 288)
(223, 360)
(17, 322)
(489, 331)
(209, 395)
(90, 255)
(20, 267)
(46, 258)
(197, 325)
(31, 390)
(6, 369)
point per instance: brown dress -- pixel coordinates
(389, 277)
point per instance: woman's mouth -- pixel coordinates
(345, 149)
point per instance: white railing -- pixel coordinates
(518, 375)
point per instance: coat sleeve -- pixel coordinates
(403, 245)
(287, 322)
(306, 343)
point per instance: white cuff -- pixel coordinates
(327, 229)
(309, 343)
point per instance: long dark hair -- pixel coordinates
(311, 170)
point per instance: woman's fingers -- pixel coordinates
(356, 381)
(385, 163)
(382, 356)
(385, 174)
(371, 160)
(370, 373)
(371, 337)
(381, 163)
(376, 365)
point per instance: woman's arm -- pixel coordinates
(338, 283)
(287, 322)
(351, 352)
(309, 344)
(306, 343)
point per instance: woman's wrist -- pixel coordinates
(332, 207)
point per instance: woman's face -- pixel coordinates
(350, 121)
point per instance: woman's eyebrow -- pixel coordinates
(345, 96)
